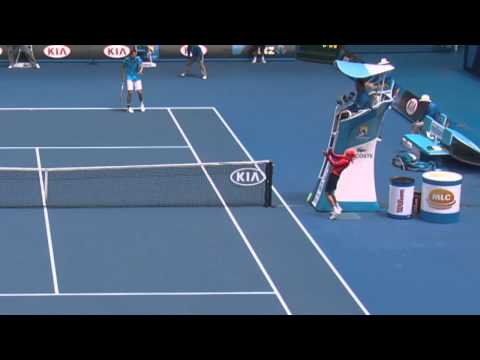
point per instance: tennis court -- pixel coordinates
(152, 260)
(247, 259)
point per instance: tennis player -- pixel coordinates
(195, 55)
(133, 68)
(339, 163)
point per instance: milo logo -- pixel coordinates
(441, 199)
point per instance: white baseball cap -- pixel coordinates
(425, 98)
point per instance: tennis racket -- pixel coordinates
(122, 94)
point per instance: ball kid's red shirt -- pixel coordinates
(338, 162)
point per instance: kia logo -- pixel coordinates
(183, 50)
(247, 177)
(57, 51)
(116, 51)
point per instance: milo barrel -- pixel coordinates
(441, 192)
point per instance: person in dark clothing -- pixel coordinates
(14, 51)
(195, 55)
(378, 83)
(433, 110)
(363, 99)
(339, 163)
(258, 50)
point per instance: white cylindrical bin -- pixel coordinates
(400, 202)
(441, 192)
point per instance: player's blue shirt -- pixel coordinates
(132, 67)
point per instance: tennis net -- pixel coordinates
(168, 185)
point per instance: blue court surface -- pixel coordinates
(285, 259)
(153, 260)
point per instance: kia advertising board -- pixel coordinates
(118, 52)
(57, 51)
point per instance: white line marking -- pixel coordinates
(219, 293)
(130, 167)
(299, 223)
(103, 108)
(232, 217)
(167, 147)
(47, 224)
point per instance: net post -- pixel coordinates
(268, 184)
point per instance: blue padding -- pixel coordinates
(401, 181)
(440, 218)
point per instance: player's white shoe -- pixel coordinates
(254, 61)
(130, 110)
(183, 74)
(333, 215)
(37, 66)
(142, 107)
(338, 209)
(336, 212)
(263, 60)
(10, 66)
(204, 77)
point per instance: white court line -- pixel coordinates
(47, 224)
(167, 147)
(299, 223)
(218, 293)
(102, 108)
(232, 217)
